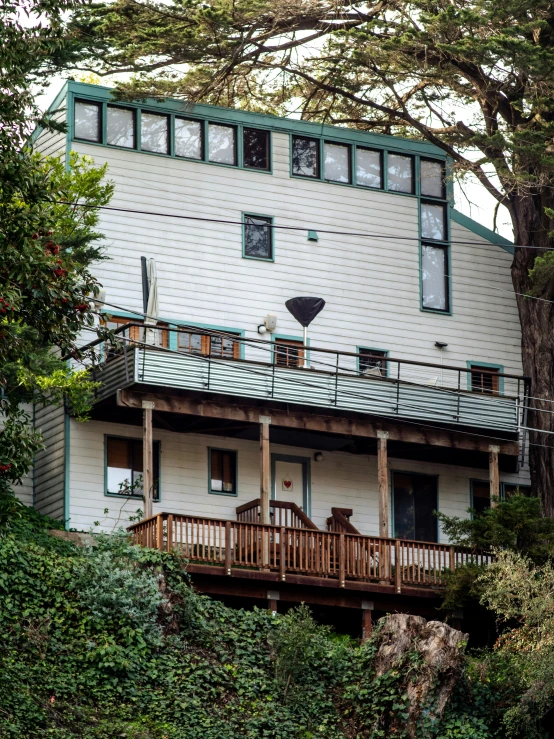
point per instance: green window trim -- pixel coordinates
(445, 245)
(157, 462)
(486, 365)
(275, 338)
(235, 481)
(245, 215)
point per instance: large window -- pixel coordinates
(258, 237)
(480, 496)
(434, 277)
(373, 362)
(154, 133)
(369, 168)
(400, 173)
(213, 345)
(255, 148)
(432, 178)
(188, 138)
(223, 471)
(336, 165)
(124, 467)
(433, 221)
(305, 157)
(88, 121)
(222, 144)
(415, 499)
(289, 353)
(121, 127)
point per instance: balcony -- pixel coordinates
(397, 389)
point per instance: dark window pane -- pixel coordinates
(188, 138)
(434, 277)
(125, 467)
(512, 488)
(484, 380)
(121, 127)
(337, 162)
(289, 353)
(432, 179)
(87, 121)
(191, 343)
(368, 168)
(400, 171)
(373, 362)
(223, 471)
(305, 157)
(415, 499)
(481, 496)
(223, 346)
(222, 144)
(433, 222)
(154, 133)
(257, 237)
(256, 148)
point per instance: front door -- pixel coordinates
(415, 497)
(291, 480)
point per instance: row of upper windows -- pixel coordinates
(218, 143)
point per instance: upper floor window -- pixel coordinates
(124, 467)
(336, 164)
(433, 221)
(305, 157)
(400, 173)
(213, 345)
(255, 148)
(369, 168)
(484, 380)
(432, 178)
(222, 144)
(289, 353)
(154, 133)
(258, 237)
(121, 127)
(434, 277)
(88, 121)
(223, 471)
(373, 362)
(188, 138)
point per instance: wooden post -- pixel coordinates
(282, 553)
(494, 475)
(160, 532)
(228, 545)
(265, 470)
(169, 542)
(273, 597)
(383, 475)
(342, 560)
(147, 458)
(397, 567)
(367, 624)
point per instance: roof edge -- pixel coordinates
(485, 233)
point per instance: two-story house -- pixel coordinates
(287, 466)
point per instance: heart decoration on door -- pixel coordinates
(287, 484)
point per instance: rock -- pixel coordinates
(441, 662)
(78, 538)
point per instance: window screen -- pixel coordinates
(255, 148)
(415, 499)
(87, 121)
(400, 173)
(222, 144)
(368, 168)
(121, 127)
(223, 472)
(373, 362)
(484, 380)
(188, 138)
(432, 179)
(258, 237)
(305, 157)
(433, 224)
(336, 162)
(124, 467)
(434, 277)
(154, 133)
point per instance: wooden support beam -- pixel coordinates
(383, 475)
(147, 457)
(314, 420)
(273, 597)
(265, 470)
(367, 623)
(494, 476)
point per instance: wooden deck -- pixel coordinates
(283, 553)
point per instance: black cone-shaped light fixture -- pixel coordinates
(305, 309)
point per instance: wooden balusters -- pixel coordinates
(494, 474)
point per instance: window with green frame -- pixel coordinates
(222, 471)
(258, 237)
(435, 246)
(124, 467)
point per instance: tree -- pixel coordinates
(46, 246)
(474, 77)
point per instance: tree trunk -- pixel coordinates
(531, 228)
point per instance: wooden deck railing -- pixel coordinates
(339, 520)
(303, 551)
(281, 513)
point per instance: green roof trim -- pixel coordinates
(482, 231)
(216, 113)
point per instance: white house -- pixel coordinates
(407, 396)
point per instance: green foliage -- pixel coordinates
(107, 641)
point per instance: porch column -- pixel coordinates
(494, 476)
(265, 470)
(147, 457)
(367, 624)
(383, 475)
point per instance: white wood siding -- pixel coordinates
(49, 463)
(23, 491)
(371, 285)
(52, 143)
(342, 479)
